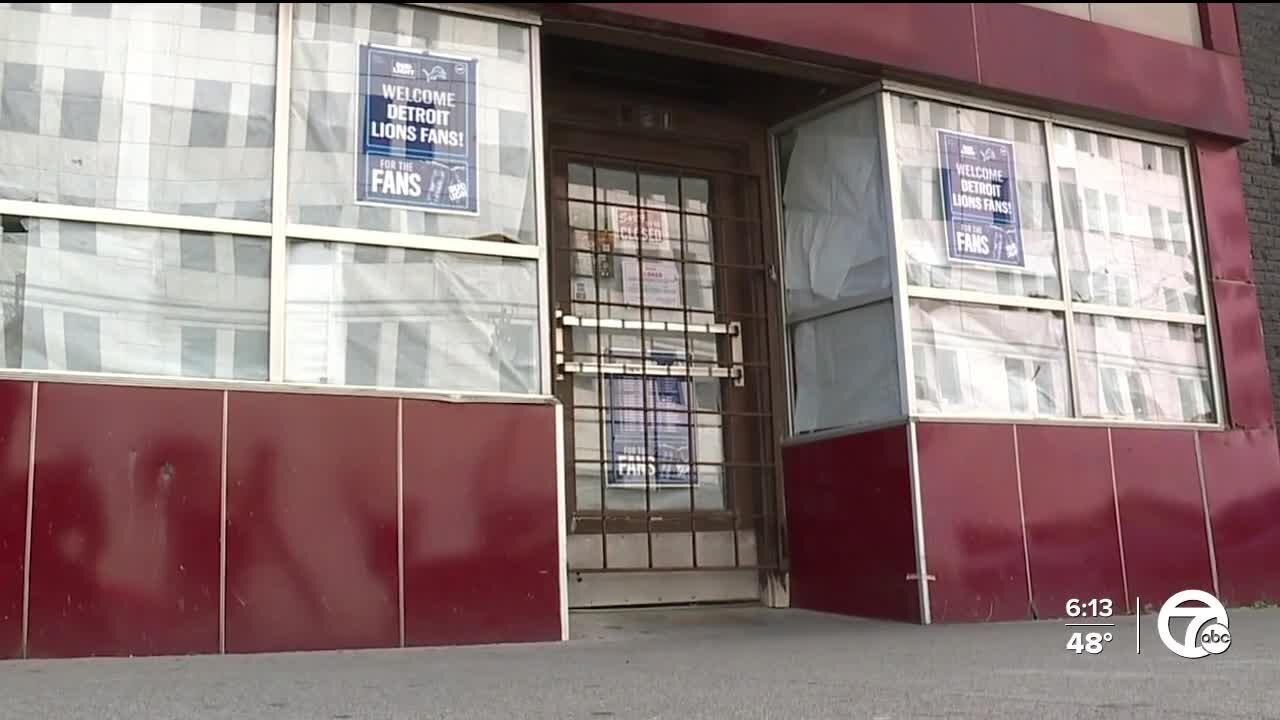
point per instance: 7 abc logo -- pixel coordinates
(1207, 630)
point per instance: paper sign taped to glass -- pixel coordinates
(417, 143)
(650, 428)
(640, 232)
(980, 199)
(657, 280)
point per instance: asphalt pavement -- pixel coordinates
(687, 664)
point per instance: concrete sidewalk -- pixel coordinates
(721, 663)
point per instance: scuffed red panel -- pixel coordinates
(972, 522)
(312, 558)
(920, 37)
(481, 541)
(850, 527)
(1070, 510)
(124, 550)
(1226, 226)
(1064, 59)
(1242, 481)
(1166, 548)
(1218, 27)
(1244, 355)
(15, 444)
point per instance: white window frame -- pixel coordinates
(904, 292)
(279, 231)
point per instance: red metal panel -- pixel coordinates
(1070, 510)
(1226, 225)
(15, 444)
(1012, 48)
(850, 527)
(1218, 27)
(1064, 59)
(124, 551)
(312, 558)
(1162, 523)
(481, 540)
(920, 37)
(972, 522)
(1242, 481)
(1244, 355)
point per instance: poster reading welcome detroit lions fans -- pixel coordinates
(418, 130)
(980, 199)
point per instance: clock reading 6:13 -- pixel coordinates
(1089, 608)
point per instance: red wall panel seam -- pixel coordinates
(1208, 518)
(31, 501)
(400, 508)
(1115, 498)
(1022, 513)
(977, 55)
(222, 536)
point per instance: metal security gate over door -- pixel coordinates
(662, 281)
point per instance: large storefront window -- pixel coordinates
(164, 108)
(395, 317)
(161, 218)
(328, 96)
(92, 297)
(932, 259)
(1051, 280)
(1032, 268)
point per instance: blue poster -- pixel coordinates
(656, 453)
(417, 130)
(980, 199)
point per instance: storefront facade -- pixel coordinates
(345, 326)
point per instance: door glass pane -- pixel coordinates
(640, 253)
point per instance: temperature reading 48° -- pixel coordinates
(1091, 643)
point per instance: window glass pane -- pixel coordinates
(831, 388)
(251, 349)
(1152, 255)
(443, 321)
(1001, 199)
(160, 107)
(128, 305)
(325, 131)
(1138, 370)
(835, 228)
(1015, 372)
(991, 361)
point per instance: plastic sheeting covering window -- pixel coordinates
(835, 229)
(1139, 251)
(922, 222)
(846, 368)
(1143, 370)
(395, 317)
(105, 298)
(978, 360)
(324, 137)
(157, 107)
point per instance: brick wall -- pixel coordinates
(1260, 161)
